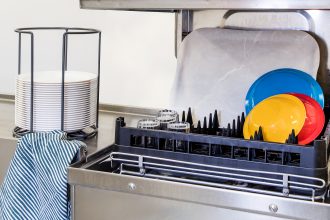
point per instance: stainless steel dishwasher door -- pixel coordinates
(101, 195)
(98, 204)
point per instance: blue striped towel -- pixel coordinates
(35, 186)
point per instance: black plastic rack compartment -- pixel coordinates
(309, 161)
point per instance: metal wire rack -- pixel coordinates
(270, 183)
(82, 134)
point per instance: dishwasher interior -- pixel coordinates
(217, 161)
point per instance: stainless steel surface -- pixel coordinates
(158, 199)
(163, 168)
(7, 116)
(311, 16)
(104, 138)
(106, 129)
(273, 208)
(7, 141)
(313, 21)
(203, 4)
(305, 15)
(128, 109)
(7, 150)
(103, 107)
(125, 206)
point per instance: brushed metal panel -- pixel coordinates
(204, 4)
(124, 206)
(200, 195)
(7, 150)
(106, 131)
(314, 22)
(294, 20)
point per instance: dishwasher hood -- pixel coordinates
(203, 4)
(304, 15)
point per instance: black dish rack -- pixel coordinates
(287, 163)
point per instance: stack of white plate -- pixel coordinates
(80, 100)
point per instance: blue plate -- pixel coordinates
(283, 81)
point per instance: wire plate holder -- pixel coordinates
(67, 31)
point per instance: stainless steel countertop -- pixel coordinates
(106, 130)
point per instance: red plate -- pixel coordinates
(314, 122)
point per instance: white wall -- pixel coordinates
(138, 62)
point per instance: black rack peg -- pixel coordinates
(183, 116)
(204, 129)
(234, 131)
(228, 130)
(256, 135)
(190, 119)
(238, 126)
(199, 128)
(215, 122)
(242, 122)
(260, 134)
(210, 127)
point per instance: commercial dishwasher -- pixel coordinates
(213, 177)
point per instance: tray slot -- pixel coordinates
(292, 159)
(221, 151)
(275, 157)
(258, 155)
(144, 141)
(136, 141)
(241, 153)
(200, 148)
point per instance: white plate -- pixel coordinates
(67, 119)
(58, 91)
(57, 88)
(41, 127)
(55, 115)
(56, 102)
(56, 107)
(55, 77)
(54, 123)
(57, 95)
(53, 85)
(46, 109)
(80, 100)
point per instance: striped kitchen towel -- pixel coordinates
(35, 186)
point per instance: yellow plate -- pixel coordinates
(277, 115)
